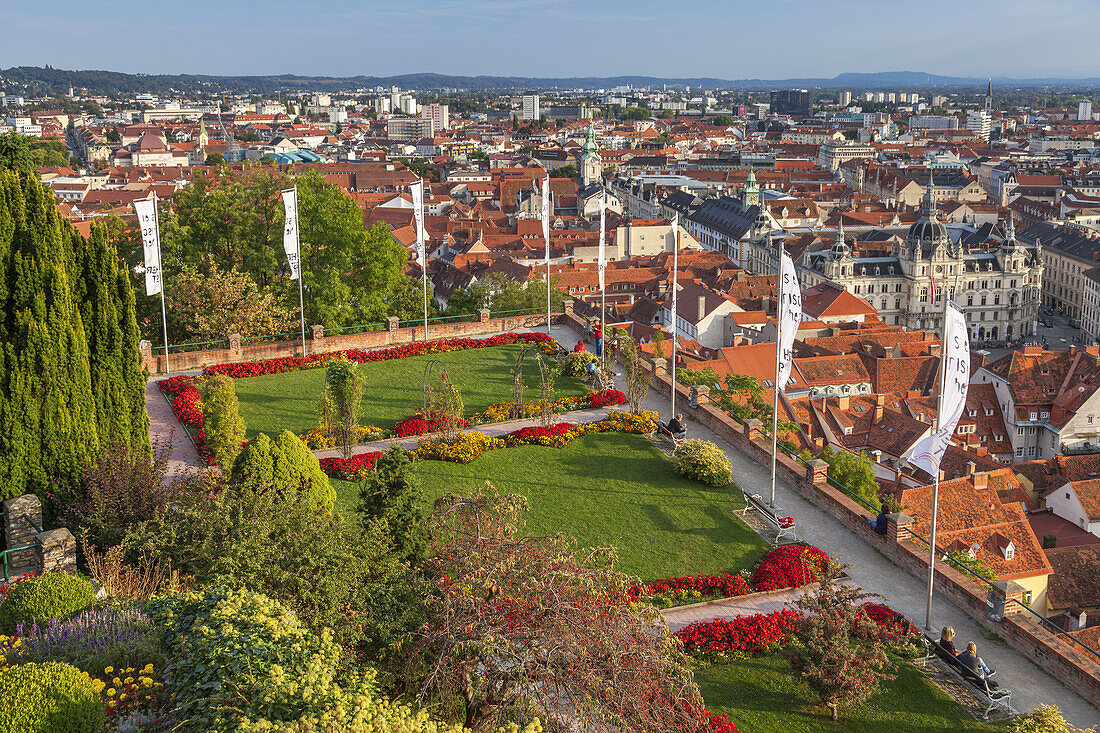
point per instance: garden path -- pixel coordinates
(678, 618)
(164, 428)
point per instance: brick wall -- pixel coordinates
(50, 551)
(317, 342)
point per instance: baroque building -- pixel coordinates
(993, 277)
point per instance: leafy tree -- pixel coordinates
(519, 624)
(566, 171)
(222, 423)
(47, 409)
(116, 369)
(854, 473)
(501, 294)
(390, 500)
(339, 403)
(638, 378)
(113, 135)
(211, 303)
(15, 153)
(635, 113)
(215, 159)
(695, 377)
(285, 467)
(840, 652)
(722, 120)
(1045, 719)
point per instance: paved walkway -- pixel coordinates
(678, 618)
(165, 428)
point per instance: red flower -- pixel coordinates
(412, 426)
(605, 398)
(744, 634)
(783, 567)
(350, 469)
(714, 586)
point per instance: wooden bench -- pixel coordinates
(784, 526)
(994, 698)
(676, 438)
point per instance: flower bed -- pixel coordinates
(668, 592)
(350, 469)
(751, 635)
(186, 404)
(789, 566)
(313, 361)
(504, 411)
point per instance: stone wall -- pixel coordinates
(318, 342)
(1068, 662)
(51, 551)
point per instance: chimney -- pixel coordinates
(1060, 462)
(971, 467)
(876, 455)
(842, 402)
(702, 306)
(880, 403)
(981, 480)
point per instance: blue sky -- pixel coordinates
(727, 39)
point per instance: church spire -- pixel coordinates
(928, 204)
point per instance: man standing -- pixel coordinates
(597, 336)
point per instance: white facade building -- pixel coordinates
(531, 109)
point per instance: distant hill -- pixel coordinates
(56, 81)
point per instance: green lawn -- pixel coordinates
(611, 489)
(393, 389)
(761, 696)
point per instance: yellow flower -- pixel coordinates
(110, 692)
(122, 696)
(129, 680)
(148, 669)
(146, 682)
(108, 670)
(117, 682)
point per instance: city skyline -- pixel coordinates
(560, 38)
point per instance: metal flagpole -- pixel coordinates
(423, 253)
(936, 477)
(546, 235)
(298, 248)
(778, 349)
(603, 283)
(675, 273)
(160, 266)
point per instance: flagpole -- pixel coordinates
(423, 253)
(936, 477)
(778, 349)
(546, 234)
(675, 274)
(603, 285)
(160, 266)
(298, 247)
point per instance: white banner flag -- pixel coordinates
(290, 233)
(790, 315)
(150, 240)
(546, 216)
(675, 273)
(417, 191)
(928, 452)
(603, 235)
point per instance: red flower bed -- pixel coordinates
(713, 586)
(783, 567)
(350, 469)
(895, 624)
(412, 426)
(293, 363)
(187, 407)
(606, 398)
(745, 634)
(534, 432)
(719, 722)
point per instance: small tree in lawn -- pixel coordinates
(840, 652)
(389, 496)
(519, 626)
(339, 404)
(638, 378)
(547, 394)
(222, 423)
(445, 407)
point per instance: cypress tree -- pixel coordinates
(254, 468)
(222, 421)
(107, 310)
(47, 410)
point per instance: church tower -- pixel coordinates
(204, 139)
(751, 195)
(591, 166)
(989, 97)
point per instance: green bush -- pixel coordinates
(53, 595)
(576, 364)
(52, 697)
(222, 423)
(286, 465)
(703, 461)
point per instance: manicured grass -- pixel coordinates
(762, 696)
(613, 489)
(393, 389)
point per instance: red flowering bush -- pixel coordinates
(554, 436)
(412, 426)
(350, 469)
(294, 363)
(789, 566)
(718, 722)
(605, 398)
(667, 592)
(187, 407)
(752, 635)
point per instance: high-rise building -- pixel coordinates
(440, 114)
(409, 104)
(1084, 110)
(531, 109)
(844, 99)
(939, 100)
(980, 122)
(409, 128)
(791, 102)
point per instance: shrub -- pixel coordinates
(789, 566)
(703, 461)
(52, 697)
(576, 364)
(287, 466)
(1050, 541)
(223, 427)
(1045, 719)
(53, 595)
(339, 403)
(92, 640)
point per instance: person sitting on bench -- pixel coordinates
(879, 523)
(946, 642)
(674, 427)
(976, 664)
(595, 375)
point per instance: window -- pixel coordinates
(1031, 450)
(1090, 419)
(1019, 452)
(1044, 415)
(1009, 551)
(1032, 416)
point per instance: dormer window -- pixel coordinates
(972, 413)
(972, 553)
(1009, 551)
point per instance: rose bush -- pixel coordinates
(789, 566)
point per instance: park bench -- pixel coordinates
(676, 438)
(993, 698)
(784, 526)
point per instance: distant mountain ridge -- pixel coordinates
(50, 80)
